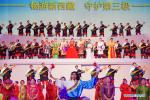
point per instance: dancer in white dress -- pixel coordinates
(100, 48)
(89, 53)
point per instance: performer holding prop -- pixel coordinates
(6, 71)
(43, 73)
(31, 73)
(111, 72)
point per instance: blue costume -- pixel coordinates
(77, 91)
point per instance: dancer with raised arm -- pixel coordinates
(75, 85)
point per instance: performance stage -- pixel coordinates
(63, 67)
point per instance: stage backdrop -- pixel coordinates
(92, 11)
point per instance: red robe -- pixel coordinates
(41, 96)
(16, 91)
(125, 90)
(98, 92)
(32, 91)
(72, 52)
(51, 92)
(8, 91)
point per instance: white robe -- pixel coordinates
(100, 48)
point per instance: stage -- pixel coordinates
(63, 67)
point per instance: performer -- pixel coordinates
(142, 47)
(55, 48)
(133, 49)
(30, 74)
(20, 29)
(36, 29)
(9, 50)
(98, 89)
(41, 28)
(89, 52)
(28, 28)
(106, 50)
(147, 49)
(10, 27)
(3, 50)
(79, 30)
(81, 48)
(62, 90)
(51, 91)
(22, 91)
(111, 49)
(94, 31)
(72, 52)
(121, 29)
(40, 89)
(134, 65)
(41, 50)
(8, 89)
(95, 50)
(1, 28)
(28, 50)
(125, 90)
(63, 48)
(137, 73)
(49, 29)
(108, 90)
(79, 71)
(142, 89)
(6, 72)
(71, 29)
(18, 49)
(1, 89)
(85, 28)
(75, 84)
(114, 30)
(133, 87)
(16, 90)
(58, 29)
(43, 74)
(46, 48)
(100, 48)
(32, 90)
(65, 30)
(128, 29)
(35, 47)
(102, 29)
(111, 72)
(126, 47)
(118, 49)
(138, 28)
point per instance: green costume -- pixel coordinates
(55, 50)
(143, 92)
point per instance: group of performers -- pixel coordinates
(61, 29)
(82, 48)
(62, 89)
(138, 88)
